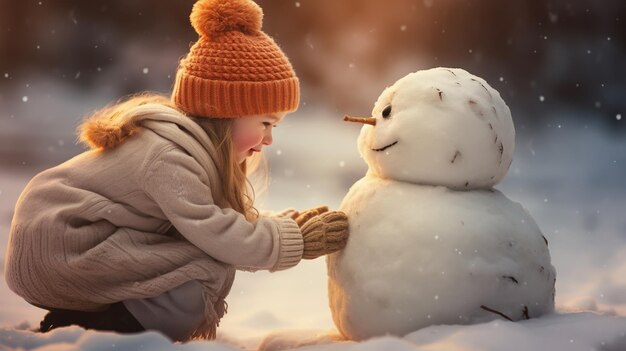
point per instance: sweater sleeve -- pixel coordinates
(288, 212)
(177, 183)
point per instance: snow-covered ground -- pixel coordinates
(569, 176)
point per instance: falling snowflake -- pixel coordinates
(618, 117)
(145, 70)
(541, 98)
(24, 98)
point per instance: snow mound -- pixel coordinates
(558, 331)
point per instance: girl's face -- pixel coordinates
(250, 133)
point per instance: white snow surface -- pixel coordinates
(573, 332)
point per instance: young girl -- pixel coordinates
(146, 229)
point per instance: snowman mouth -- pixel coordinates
(385, 147)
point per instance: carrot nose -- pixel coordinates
(365, 120)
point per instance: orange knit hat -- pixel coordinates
(234, 69)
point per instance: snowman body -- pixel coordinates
(423, 255)
(431, 241)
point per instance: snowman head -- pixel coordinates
(442, 126)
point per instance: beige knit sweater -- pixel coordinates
(137, 220)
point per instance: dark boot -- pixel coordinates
(116, 318)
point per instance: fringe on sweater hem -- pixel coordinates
(214, 311)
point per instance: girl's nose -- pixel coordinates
(268, 139)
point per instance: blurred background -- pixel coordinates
(61, 59)
(559, 65)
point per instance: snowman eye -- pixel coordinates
(387, 111)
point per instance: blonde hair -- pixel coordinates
(238, 189)
(235, 177)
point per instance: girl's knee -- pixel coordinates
(175, 313)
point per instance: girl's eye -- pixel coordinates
(267, 124)
(387, 111)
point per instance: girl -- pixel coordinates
(145, 230)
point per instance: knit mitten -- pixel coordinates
(324, 233)
(303, 217)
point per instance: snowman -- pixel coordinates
(431, 241)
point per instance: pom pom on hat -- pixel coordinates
(214, 17)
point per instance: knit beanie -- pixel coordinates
(234, 69)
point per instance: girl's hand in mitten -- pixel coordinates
(324, 233)
(303, 217)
